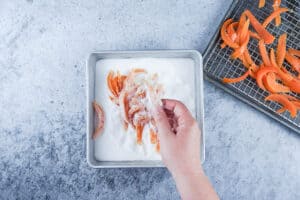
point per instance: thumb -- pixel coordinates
(162, 123)
(181, 112)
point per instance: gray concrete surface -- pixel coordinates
(43, 48)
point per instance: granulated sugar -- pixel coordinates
(115, 144)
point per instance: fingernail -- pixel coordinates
(163, 102)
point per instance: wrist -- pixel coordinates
(194, 185)
(195, 172)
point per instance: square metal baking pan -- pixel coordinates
(90, 92)
(217, 62)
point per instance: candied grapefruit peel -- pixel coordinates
(271, 74)
(130, 92)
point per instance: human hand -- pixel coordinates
(179, 137)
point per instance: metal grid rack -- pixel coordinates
(217, 62)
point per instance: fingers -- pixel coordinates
(162, 123)
(180, 110)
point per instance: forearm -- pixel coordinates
(194, 185)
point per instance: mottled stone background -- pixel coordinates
(43, 48)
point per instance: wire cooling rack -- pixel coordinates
(217, 62)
